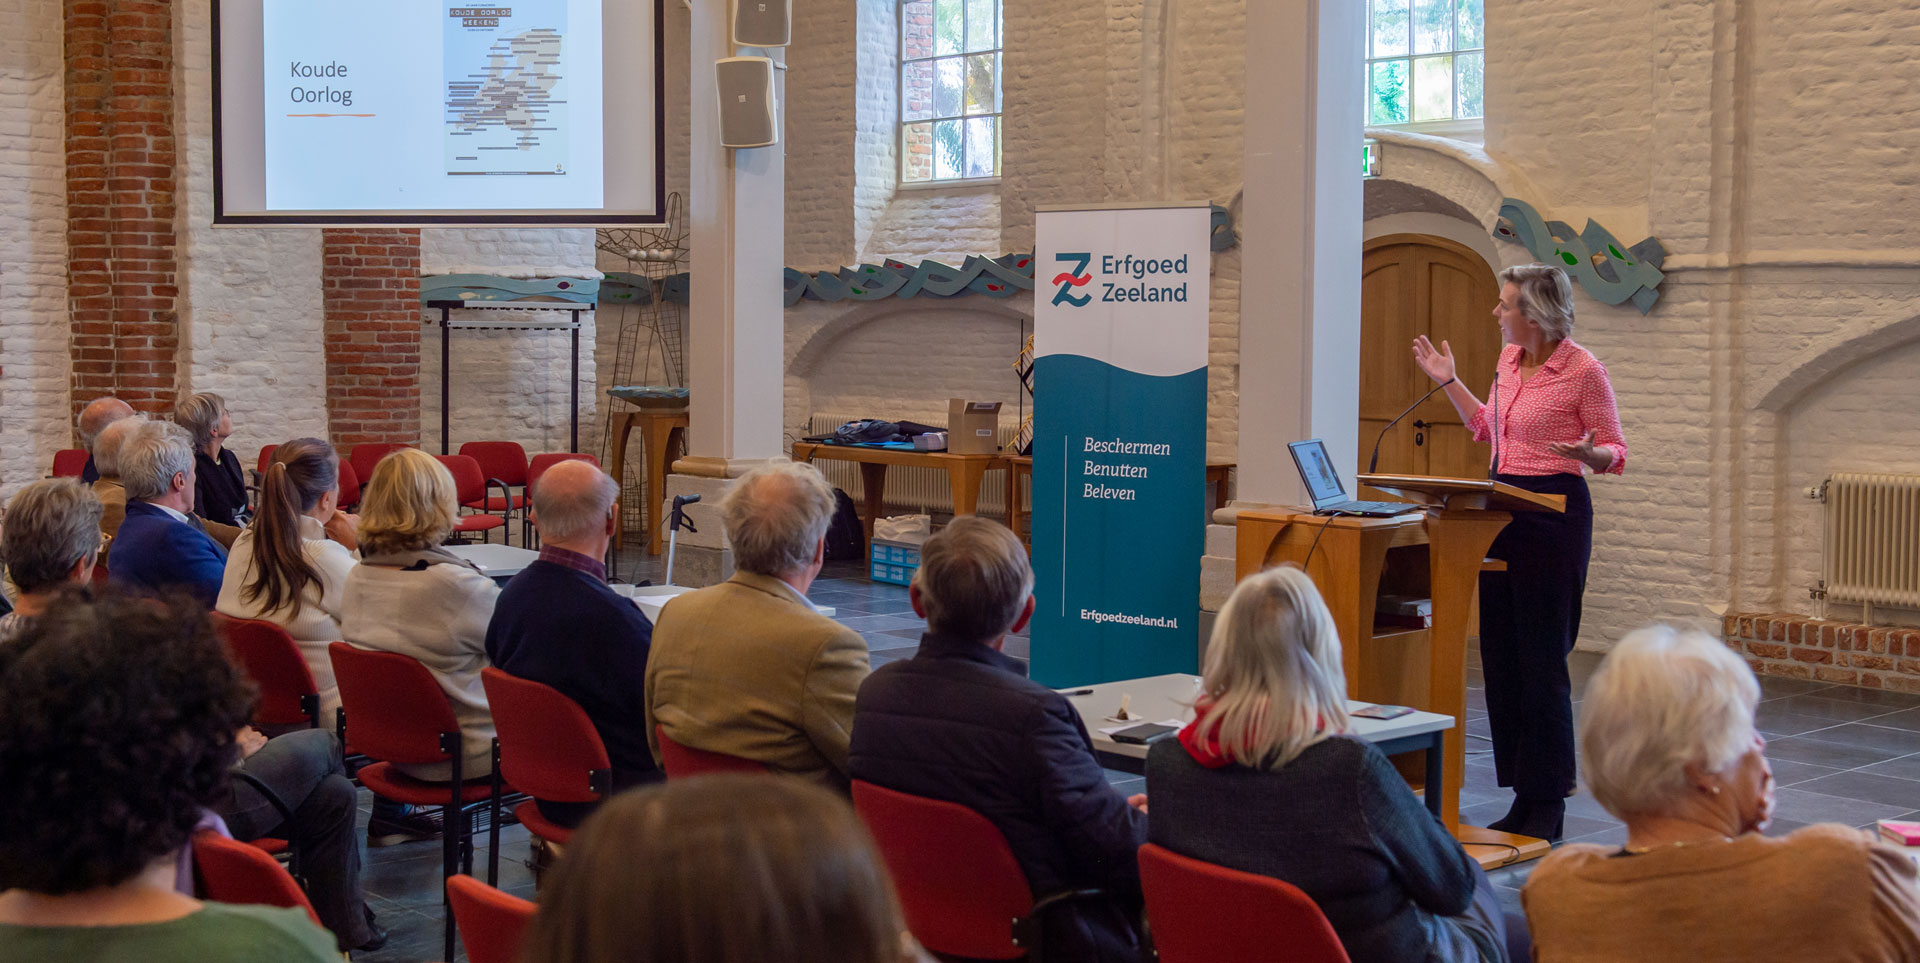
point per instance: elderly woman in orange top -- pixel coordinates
(1551, 419)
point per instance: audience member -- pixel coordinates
(102, 793)
(961, 722)
(559, 624)
(1666, 732)
(411, 596)
(219, 485)
(727, 868)
(159, 545)
(1267, 780)
(290, 566)
(107, 487)
(51, 539)
(94, 418)
(748, 668)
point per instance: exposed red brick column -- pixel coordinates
(121, 245)
(370, 284)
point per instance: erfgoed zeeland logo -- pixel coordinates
(1074, 278)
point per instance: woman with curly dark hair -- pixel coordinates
(117, 728)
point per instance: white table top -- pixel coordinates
(1165, 698)
(494, 560)
(651, 598)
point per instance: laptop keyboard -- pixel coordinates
(1374, 508)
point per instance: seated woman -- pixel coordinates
(1666, 732)
(726, 867)
(219, 485)
(103, 793)
(1266, 780)
(410, 596)
(290, 566)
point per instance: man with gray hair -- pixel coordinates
(749, 668)
(558, 623)
(94, 418)
(113, 495)
(51, 539)
(159, 546)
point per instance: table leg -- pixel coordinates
(873, 481)
(965, 479)
(622, 424)
(1435, 790)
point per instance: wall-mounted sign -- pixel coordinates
(1371, 148)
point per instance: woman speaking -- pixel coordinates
(1551, 418)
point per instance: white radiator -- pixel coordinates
(912, 491)
(1873, 540)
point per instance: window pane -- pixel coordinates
(948, 26)
(947, 149)
(981, 150)
(946, 87)
(1470, 78)
(916, 91)
(1389, 27)
(1433, 88)
(980, 85)
(916, 152)
(1432, 26)
(983, 23)
(1471, 30)
(1387, 93)
(916, 29)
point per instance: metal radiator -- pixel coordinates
(1873, 540)
(915, 490)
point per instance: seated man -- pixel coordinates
(107, 487)
(960, 722)
(558, 623)
(748, 668)
(94, 419)
(159, 545)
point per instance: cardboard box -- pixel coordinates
(973, 427)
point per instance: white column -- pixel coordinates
(1300, 240)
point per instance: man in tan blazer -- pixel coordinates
(748, 667)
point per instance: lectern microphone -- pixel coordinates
(1375, 460)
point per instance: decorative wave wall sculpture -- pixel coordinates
(1593, 257)
(487, 287)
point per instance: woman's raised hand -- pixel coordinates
(1437, 363)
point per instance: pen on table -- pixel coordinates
(1076, 692)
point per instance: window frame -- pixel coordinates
(1452, 126)
(900, 121)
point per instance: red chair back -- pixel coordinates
(469, 484)
(491, 923)
(502, 460)
(541, 463)
(960, 887)
(548, 747)
(231, 872)
(349, 485)
(271, 658)
(69, 462)
(395, 709)
(364, 457)
(266, 458)
(1268, 919)
(680, 761)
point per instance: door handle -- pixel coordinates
(1417, 423)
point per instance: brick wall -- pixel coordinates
(1796, 647)
(370, 286)
(122, 271)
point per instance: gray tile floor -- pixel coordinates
(1839, 754)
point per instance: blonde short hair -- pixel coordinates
(1546, 297)
(200, 415)
(1664, 698)
(776, 516)
(1273, 683)
(409, 504)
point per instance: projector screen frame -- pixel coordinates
(412, 219)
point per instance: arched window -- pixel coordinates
(1426, 64)
(949, 90)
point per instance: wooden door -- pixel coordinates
(1414, 284)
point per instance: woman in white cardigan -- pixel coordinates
(290, 565)
(410, 596)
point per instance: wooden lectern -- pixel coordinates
(1437, 554)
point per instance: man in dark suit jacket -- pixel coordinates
(960, 722)
(159, 545)
(557, 623)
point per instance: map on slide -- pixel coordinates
(506, 88)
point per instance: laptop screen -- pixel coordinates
(1316, 472)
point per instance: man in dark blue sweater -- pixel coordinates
(961, 722)
(559, 624)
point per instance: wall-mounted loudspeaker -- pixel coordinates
(762, 23)
(747, 109)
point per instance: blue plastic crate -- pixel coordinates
(893, 563)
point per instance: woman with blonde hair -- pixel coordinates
(219, 486)
(1267, 779)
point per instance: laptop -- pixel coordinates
(1324, 487)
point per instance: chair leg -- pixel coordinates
(493, 822)
(450, 840)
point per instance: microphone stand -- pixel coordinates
(1375, 460)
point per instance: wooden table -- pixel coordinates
(964, 472)
(1218, 475)
(658, 428)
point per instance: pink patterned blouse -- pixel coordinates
(1567, 397)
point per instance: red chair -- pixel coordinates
(547, 749)
(1270, 920)
(681, 762)
(271, 658)
(470, 485)
(959, 885)
(69, 463)
(535, 469)
(399, 714)
(491, 923)
(265, 459)
(504, 463)
(364, 457)
(229, 872)
(349, 486)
